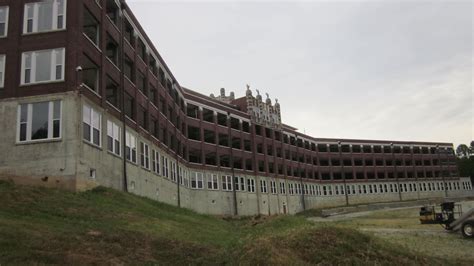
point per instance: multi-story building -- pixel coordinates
(86, 99)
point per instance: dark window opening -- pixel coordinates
(129, 106)
(247, 145)
(322, 148)
(141, 49)
(192, 111)
(234, 123)
(268, 133)
(195, 156)
(236, 143)
(356, 148)
(246, 127)
(248, 164)
(367, 149)
(270, 150)
(152, 65)
(209, 136)
(260, 148)
(129, 33)
(90, 26)
(90, 74)
(142, 117)
(258, 130)
(222, 119)
(211, 158)
(224, 140)
(128, 69)
(224, 160)
(208, 115)
(238, 163)
(261, 166)
(112, 50)
(112, 92)
(112, 11)
(141, 82)
(194, 133)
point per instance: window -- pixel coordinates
(2, 70)
(42, 66)
(173, 172)
(141, 82)
(91, 125)
(155, 164)
(129, 106)
(90, 74)
(273, 188)
(128, 69)
(226, 182)
(90, 26)
(43, 16)
(142, 117)
(37, 121)
(112, 92)
(291, 191)
(141, 49)
(130, 147)
(212, 182)
(144, 155)
(112, 50)
(113, 137)
(263, 186)
(164, 166)
(129, 33)
(239, 183)
(197, 180)
(282, 188)
(3, 21)
(250, 185)
(112, 11)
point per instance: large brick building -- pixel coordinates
(86, 99)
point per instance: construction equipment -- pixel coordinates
(450, 216)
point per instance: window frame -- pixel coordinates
(115, 136)
(35, 18)
(196, 179)
(155, 162)
(7, 13)
(132, 145)
(3, 63)
(212, 182)
(144, 155)
(29, 122)
(33, 67)
(91, 125)
(227, 182)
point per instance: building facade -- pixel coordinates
(87, 100)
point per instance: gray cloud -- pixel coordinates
(397, 70)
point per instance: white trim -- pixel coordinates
(54, 18)
(7, 11)
(29, 122)
(94, 115)
(3, 60)
(33, 55)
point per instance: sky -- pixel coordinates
(388, 70)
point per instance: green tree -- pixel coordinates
(463, 150)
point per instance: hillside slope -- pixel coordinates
(103, 226)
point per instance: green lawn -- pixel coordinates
(103, 226)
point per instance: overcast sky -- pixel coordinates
(393, 70)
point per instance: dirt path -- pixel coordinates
(466, 205)
(348, 216)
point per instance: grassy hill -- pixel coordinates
(103, 226)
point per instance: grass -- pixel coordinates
(103, 226)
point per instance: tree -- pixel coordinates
(463, 150)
